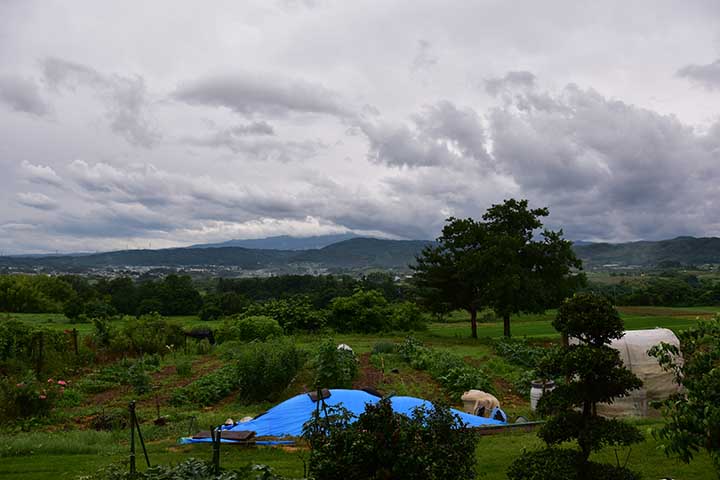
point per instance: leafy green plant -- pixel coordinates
(259, 370)
(138, 378)
(293, 314)
(208, 389)
(363, 311)
(519, 351)
(265, 369)
(334, 367)
(384, 347)
(249, 328)
(451, 371)
(381, 444)
(693, 416)
(407, 316)
(28, 397)
(183, 367)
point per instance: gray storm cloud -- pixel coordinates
(22, 95)
(262, 94)
(125, 97)
(121, 124)
(707, 76)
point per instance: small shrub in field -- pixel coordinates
(381, 444)
(363, 311)
(260, 370)
(29, 397)
(247, 329)
(334, 368)
(138, 378)
(210, 312)
(265, 369)
(203, 347)
(407, 316)
(293, 314)
(208, 389)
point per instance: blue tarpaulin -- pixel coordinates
(287, 418)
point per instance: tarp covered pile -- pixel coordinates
(287, 418)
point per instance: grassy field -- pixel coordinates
(66, 448)
(67, 455)
(457, 324)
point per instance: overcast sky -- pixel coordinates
(166, 123)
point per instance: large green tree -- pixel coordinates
(499, 262)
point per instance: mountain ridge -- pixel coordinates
(361, 253)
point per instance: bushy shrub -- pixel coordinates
(384, 347)
(693, 415)
(363, 311)
(183, 367)
(149, 334)
(247, 329)
(381, 444)
(455, 376)
(265, 369)
(24, 347)
(28, 397)
(208, 389)
(210, 311)
(259, 370)
(293, 314)
(333, 367)
(138, 378)
(406, 317)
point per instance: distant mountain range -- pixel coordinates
(346, 255)
(682, 250)
(354, 254)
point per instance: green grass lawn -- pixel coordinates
(64, 455)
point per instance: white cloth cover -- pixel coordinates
(657, 383)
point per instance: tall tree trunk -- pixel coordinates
(506, 324)
(473, 321)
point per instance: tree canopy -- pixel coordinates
(498, 262)
(693, 416)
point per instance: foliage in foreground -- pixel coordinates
(693, 417)
(596, 375)
(381, 444)
(191, 469)
(334, 367)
